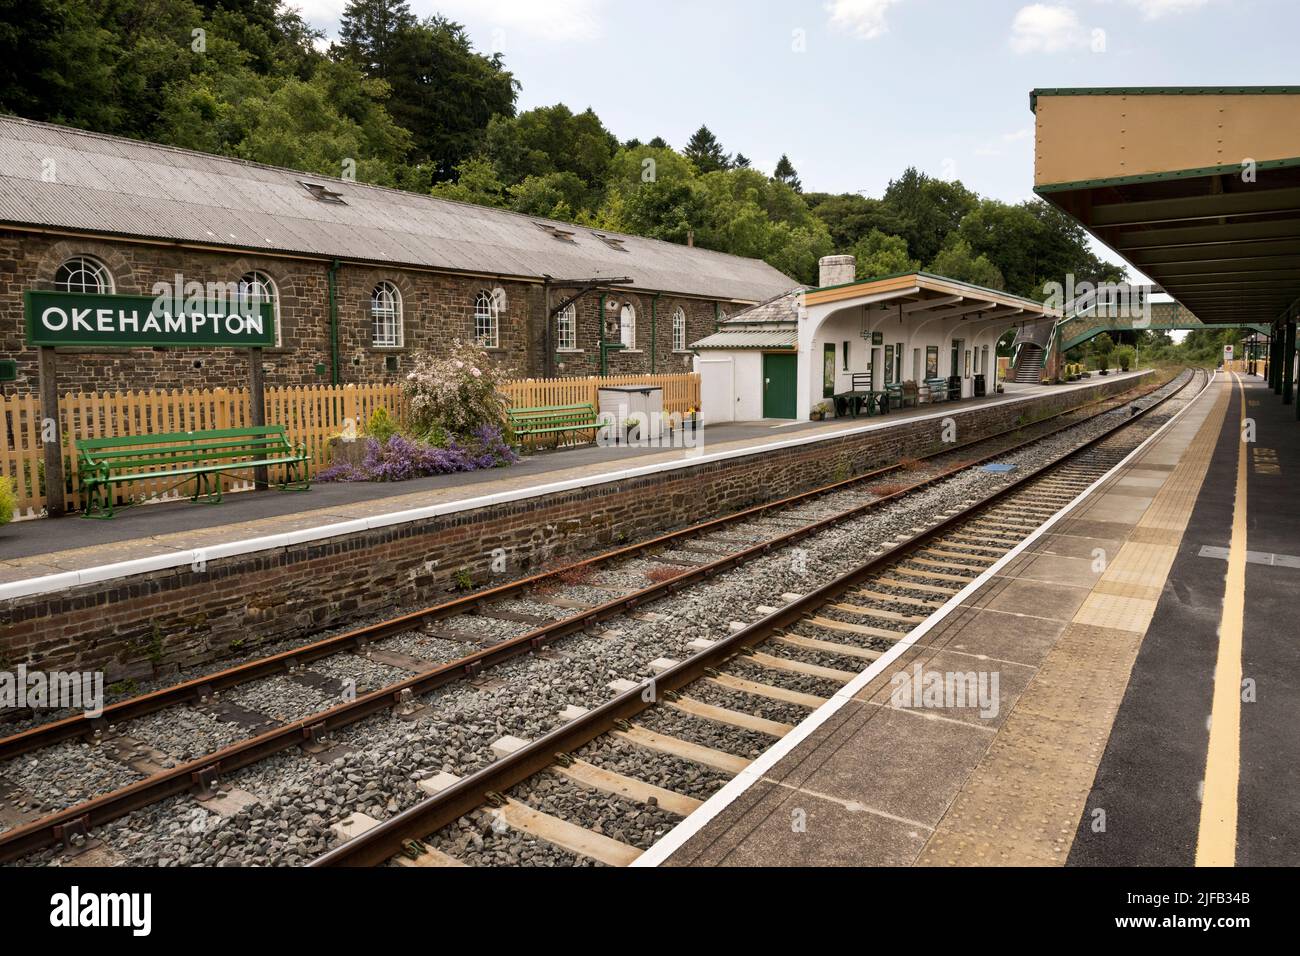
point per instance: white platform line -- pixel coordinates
(732, 790)
(66, 580)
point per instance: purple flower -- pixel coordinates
(401, 459)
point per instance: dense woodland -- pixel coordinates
(409, 103)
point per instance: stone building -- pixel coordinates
(359, 276)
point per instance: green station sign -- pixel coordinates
(135, 321)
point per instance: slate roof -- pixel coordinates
(115, 186)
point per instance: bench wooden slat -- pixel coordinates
(553, 419)
(105, 462)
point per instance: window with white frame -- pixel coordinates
(627, 326)
(679, 331)
(256, 288)
(83, 274)
(386, 312)
(487, 331)
(567, 320)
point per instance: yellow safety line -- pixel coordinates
(1216, 843)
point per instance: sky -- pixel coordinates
(855, 91)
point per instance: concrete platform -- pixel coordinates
(1106, 634)
(177, 530)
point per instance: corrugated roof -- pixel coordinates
(782, 338)
(106, 184)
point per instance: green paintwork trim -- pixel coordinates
(1160, 91)
(1198, 173)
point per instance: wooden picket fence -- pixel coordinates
(681, 391)
(311, 414)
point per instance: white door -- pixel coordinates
(717, 391)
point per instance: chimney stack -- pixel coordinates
(836, 270)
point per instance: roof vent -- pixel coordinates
(323, 193)
(556, 232)
(614, 242)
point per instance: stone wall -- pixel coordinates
(154, 623)
(436, 308)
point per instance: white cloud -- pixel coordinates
(563, 21)
(865, 19)
(1040, 28)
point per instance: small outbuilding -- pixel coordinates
(787, 356)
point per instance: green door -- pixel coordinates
(780, 378)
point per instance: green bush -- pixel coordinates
(7, 501)
(381, 426)
(1125, 356)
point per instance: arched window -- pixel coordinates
(386, 311)
(679, 331)
(567, 340)
(487, 332)
(627, 326)
(256, 287)
(83, 274)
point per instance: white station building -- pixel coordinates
(784, 357)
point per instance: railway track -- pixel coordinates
(679, 559)
(826, 636)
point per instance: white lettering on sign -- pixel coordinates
(107, 321)
(48, 314)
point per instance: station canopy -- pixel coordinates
(1198, 188)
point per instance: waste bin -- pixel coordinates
(954, 388)
(980, 388)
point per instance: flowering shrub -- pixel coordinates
(455, 395)
(401, 458)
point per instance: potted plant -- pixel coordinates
(821, 411)
(632, 426)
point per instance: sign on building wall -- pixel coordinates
(133, 321)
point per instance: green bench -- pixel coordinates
(552, 420)
(204, 456)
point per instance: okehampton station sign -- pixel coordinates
(130, 321)
(138, 321)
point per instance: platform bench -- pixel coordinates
(104, 463)
(552, 420)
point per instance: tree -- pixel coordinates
(785, 173)
(850, 217)
(928, 210)
(741, 161)
(442, 90)
(552, 196)
(957, 261)
(370, 33)
(879, 254)
(476, 181)
(706, 153)
(551, 139)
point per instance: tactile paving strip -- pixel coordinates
(1021, 804)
